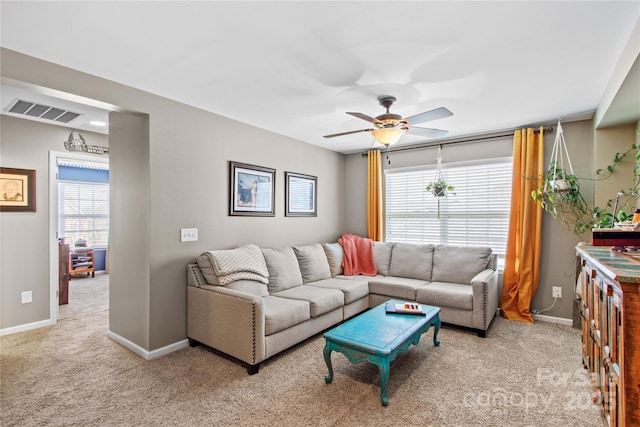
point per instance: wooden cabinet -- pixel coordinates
(609, 287)
(82, 261)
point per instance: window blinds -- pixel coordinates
(477, 215)
(83, 212)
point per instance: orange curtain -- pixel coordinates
(522, 260)
(374, 197)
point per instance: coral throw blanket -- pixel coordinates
(358, 255)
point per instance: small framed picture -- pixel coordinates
(17, 190)
(301, 194)
(252, 191)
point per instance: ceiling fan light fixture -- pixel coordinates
(387, 136)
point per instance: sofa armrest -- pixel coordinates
(227, 320)
(485, 298)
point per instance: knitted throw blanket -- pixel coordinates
(243, 263)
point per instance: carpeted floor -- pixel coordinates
(87, 296)
(72, 374)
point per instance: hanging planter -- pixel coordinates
(560, 193)
(439, 187)
(558, 178)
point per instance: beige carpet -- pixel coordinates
(72, 374)
(87, 296)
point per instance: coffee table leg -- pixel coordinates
(383, 366)
(327, 358)
(436, 329)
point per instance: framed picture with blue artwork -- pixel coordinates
(252, 191)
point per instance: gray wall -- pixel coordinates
(130, 229)
(176, 177)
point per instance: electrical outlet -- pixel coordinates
(557, 292)
(188, 234)
(27, 297)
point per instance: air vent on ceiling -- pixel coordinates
(41, 111)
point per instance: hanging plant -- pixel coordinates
(439, 187)
(559, 194)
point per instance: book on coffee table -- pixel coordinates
(404, 308)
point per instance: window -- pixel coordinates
(83, 206)
(477, 215)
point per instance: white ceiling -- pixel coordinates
(296, 67)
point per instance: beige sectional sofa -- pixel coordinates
(286, 295)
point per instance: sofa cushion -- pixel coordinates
(284, 271)
(458, 264)
(322, 300)
(382, 256)
(451, 295)
(334, 253)
(313, 262)
(249, 287)
(411, 261)
(353, 290)
(397, 287)
(282, 313)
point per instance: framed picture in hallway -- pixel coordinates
(252, 191)
(17, 190)
(301, 194)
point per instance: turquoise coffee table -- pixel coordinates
(379, 337)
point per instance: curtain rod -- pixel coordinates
(462, 140)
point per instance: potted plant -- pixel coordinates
(439, 187)
(559, 194)
(605, 219)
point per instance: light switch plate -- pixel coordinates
(188, 234)
(27, 297)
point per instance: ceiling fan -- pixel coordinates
(390, 127)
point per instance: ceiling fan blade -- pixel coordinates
(348, 133)
(365, 117)
(427, 132)
(438, 113)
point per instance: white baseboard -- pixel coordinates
(168, 349)
(146, 354)
(26, 327)
(551, 319)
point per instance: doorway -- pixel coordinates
(79, 212)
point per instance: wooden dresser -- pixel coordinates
(609, 286)
(63, 272)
